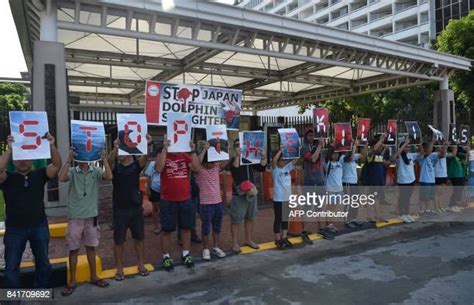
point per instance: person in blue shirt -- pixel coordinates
(405, 161)
(349, 181)
(334, 188)
(427, 160)
(154, 183)
(281, 173)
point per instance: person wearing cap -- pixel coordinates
(244, 200)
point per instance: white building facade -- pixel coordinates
(408, 21)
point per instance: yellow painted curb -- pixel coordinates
(110, 273)
(56, 230)
(271, 245)
(389, 222)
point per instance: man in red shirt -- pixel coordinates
(175, 169)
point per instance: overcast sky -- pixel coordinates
(11, 55)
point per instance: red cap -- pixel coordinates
(246, 186)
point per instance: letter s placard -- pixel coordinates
(29, 130)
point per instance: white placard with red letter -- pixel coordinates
(179, 132)
(132, 131)
(252, 144)
(88, 140)
(219, 144)
(29, 130)
(290, 141)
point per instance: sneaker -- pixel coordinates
(454, 209)
(412, 219)
(405, 219)
(218, 252)
(287, 243)
(206, 255)
(168, 264)
(279, 244)
(188, 261)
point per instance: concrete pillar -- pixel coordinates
(49, 93)
(444, 110)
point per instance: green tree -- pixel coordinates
(458, 39)
(12, 96)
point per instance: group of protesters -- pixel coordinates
(178, 180)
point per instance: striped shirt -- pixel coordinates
(209, 185)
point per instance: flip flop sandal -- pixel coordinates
(253, 245)
(306, 239)
(68, 290)
(143, 272)
(236, 250)
(99, 283)
(119, 277)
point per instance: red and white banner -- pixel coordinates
(342, 137)
(207, 105)
(363, 129)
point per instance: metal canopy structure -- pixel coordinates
(113, 46)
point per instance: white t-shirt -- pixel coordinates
(333, 176)
(282, 182)
(406, 172)
(349, 169)
(441, 171)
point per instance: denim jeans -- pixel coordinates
(15, 243)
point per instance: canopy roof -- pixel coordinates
(113, 46)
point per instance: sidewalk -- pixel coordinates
(135, 287)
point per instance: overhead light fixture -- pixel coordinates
(167, 5)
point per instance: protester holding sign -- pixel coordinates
(281, 173)
(127, 206)
(376, 168)
(441, 175)
(313, 170)
(244, 197)
(210, 201)
(349, 181)
(26, 221)
(176, 202)
(427, 160)
(83, 202)
(457, 159)
(405, 178)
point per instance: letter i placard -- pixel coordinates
(29, 130)
(179, 131)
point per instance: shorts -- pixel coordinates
(82, 229)
(427, 191)
(242, 209)
(154, 196)
(125, 219)
(211, 214)
(170, 211)
(441, 181)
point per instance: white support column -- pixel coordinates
(49, 22)
(444, 109)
